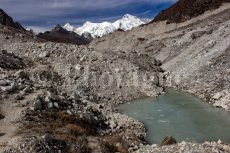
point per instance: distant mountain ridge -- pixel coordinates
(6, 20)
(127, 22)
(184, 10)
(61, 35)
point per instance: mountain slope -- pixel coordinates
(186, 9)
(65, 102)
(58, 34)
(193, 53)
(99, 29)
(8, 21)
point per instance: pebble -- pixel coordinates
(69, 112)
(32, 108)
(27, 90)
(56, 105)
(50, 105)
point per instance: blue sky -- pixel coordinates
(44, 14)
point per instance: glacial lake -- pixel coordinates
(180, 115)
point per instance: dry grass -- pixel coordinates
(56, 123)
(114, 140)
(69, 129)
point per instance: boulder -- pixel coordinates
(3, 83)
(69, 112)
(78, 67)
(44, 54)
(50, 105)
(27, 90)
(217, 96)
(56, 105)
(51, 97)
(169, 140)
(37, 104)
(197, 34)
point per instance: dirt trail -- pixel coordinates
(7, 125)
(11, 111)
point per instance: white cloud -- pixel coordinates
(37, 29)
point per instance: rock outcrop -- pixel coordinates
(184, 10)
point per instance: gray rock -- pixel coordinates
(44, 54)
(10, 88)
(32, 108)
(197, 34)
(37, 104)
(27, 90)
(69, 112)
(22, 93)
(217, 96)
(56, 105)
(3, 83)
(51, 97)
(50, 105)
(78, 67)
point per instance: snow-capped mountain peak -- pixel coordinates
(69, 27)
(129, 17)
(87, 23)
(127, 22)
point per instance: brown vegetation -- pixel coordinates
(69, 128)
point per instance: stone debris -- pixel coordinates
(63, 97)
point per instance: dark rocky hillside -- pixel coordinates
(8, 21)
(58, 34)
(184, 10)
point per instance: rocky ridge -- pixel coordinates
(184, 10)
(60, 35)
(8, 21)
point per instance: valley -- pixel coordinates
(65, 97)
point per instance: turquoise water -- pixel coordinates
(180, 115)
